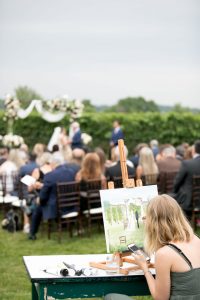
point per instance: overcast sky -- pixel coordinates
(102, 50)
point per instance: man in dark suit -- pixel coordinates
(183, 181)
(117, 134)
(115, 169)
(47, 209)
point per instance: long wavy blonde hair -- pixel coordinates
(146, 160)
(165, 222)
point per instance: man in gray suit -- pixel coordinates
(183, 181)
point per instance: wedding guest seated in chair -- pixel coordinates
(47, 208)
(114, 170)
(90, 170)
(147, 168)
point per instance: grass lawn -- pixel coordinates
(14, 283)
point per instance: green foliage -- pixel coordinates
(134, 104)
(88, 106)
(179, 108)
(25, 95)
(174, 128)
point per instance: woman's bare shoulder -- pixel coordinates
(162, 251)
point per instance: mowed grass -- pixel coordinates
(14, 281)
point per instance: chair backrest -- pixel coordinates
(9, 182)
(118, 181)
(149, 179)
(68, 197)
(196, 192)
(166, 182)
(93, 195)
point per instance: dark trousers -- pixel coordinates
(36, 220)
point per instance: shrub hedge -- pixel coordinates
(172, 128)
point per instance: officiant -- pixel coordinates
(75, 139)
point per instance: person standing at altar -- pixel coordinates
(75, 136)
(117, 134)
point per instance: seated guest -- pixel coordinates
(3, 155)
(135, 157)
(189, 152)
(183, 181)
(77, 158)
(100, 152)
(11, 166)
(169, 163)
(29, 166)
(25, 148)
(55, 148)
(159, 156)
(147, 166)
(47, 209)
(115, 169)
(180, 152)
(91, 169)
(38, 149)
(44, 167)
(177, 255)
(154, 147)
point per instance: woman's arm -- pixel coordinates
(159, 287)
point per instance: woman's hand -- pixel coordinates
(140, 260)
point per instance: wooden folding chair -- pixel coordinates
(165, 182)
(94, 209)
(149, 179)
(68, 208)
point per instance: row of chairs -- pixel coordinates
(164, 181)
(69, 197)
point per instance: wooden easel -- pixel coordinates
(118, 256)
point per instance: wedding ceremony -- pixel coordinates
(99, 150)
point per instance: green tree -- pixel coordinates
(134, 104)
(179, 108)
(25, 95)
(88, 106)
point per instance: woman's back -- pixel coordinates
(185, 269)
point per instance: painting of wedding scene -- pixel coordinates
(123, 213)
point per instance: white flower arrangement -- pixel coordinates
(72, 107)
(12, 106)
(12, 141)
(86, 138)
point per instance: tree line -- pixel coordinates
(129, 104)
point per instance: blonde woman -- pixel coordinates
(177, 255)
(147, 166)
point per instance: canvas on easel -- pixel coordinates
(124, 209)
(123, 212)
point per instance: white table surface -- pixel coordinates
(37, 264)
